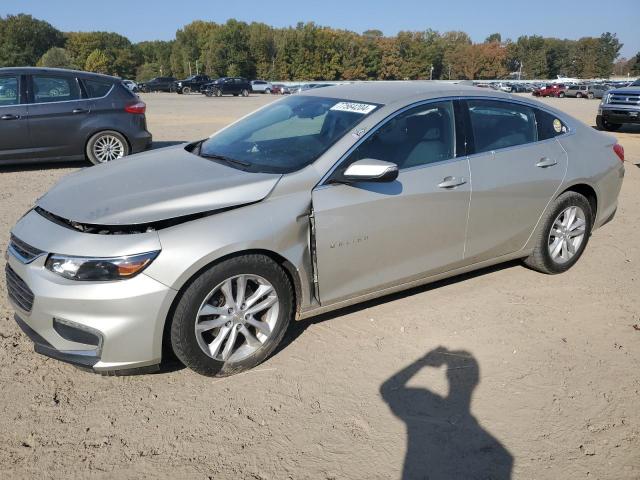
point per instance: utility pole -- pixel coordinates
(189, 68)
(520, 71)
(431, 73)
(449, 72)
(197, 72)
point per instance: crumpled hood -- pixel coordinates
(153, 186)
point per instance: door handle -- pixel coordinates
(451, 182)
(546, 162)
(80, 110)
(9, 116)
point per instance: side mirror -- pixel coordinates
(371, 170)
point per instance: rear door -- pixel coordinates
(369, 236)
(57, 113)
(14, 126)
(517, 169)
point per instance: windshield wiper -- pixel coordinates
(223, 158)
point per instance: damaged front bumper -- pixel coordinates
(113, 326)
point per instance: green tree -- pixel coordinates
(123, 58)
(494, 37)
(98, 62)
(24, 39)
(634, 65)
(56, 57)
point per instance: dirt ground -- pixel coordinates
(541, 374)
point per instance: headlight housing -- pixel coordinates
(99, 269)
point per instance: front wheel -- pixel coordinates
(563, 236)
(186, 90)
(268, 91)
(602, 124)
(590, 96)
(561, 95)
(245, 93)
(218, 92)
(106, 146)
(232, 316)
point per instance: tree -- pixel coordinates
(56, 57)
(634, 65)
(123, 57)
(494, 37)
(24, 39)
(98, 62)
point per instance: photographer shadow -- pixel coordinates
(445, 441)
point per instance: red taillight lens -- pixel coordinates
(138, 107)
(619, 151)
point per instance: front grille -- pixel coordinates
(23, 251)
(18, 291)
(630, 99)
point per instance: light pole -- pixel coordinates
(520, 71)
(449, 72)
(197, 72)
(431, 72)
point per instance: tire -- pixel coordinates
(561, 95)
(189, 345)
(106, 146)
(590, 96)
(245, 93)
(208, 93)
(602, 124)
(542, 258)
(186, 90)
(267, 91)
(218, 92)
(578, 95)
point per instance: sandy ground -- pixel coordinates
(541, 374)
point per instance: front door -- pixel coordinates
(56, 116)
(14, 127)
(369, 236)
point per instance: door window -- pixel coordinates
(419, 136)
(9, 92)
(498, 124)
(54, 89)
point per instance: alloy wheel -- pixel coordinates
(236, 318)
(567, 234)
(107, 148)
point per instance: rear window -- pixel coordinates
(97, 88)
(549, 125)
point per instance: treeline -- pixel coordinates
(309, 52)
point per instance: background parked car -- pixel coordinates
(577, 91)
(261, 86)
(53, 114)
(159, 84)
(619, 106)
(597, 91)
(194, 83)
(278, 89)
(131, 85)
(551, 90)
(228, 86)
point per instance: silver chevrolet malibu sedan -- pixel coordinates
(311, 203)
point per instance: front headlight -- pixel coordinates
(99, 269)
(607, 98)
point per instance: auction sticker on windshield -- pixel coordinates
(363, 108)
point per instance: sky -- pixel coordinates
(158, 20)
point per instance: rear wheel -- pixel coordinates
(186, 90)
(268, 91)
(563, 235)
(561, 95)
(232, 316)
(590, 96)
(106, 146)
(245, 93)
(578, 95)
(218, 92)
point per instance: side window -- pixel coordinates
(9, 92)
(54, 89)
(97, 88)
(498, 124)
(419, 136)
(549, 125)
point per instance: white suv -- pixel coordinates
(260, 86)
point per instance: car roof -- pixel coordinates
(388, 92)
(32, 70)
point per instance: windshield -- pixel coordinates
(286, 135)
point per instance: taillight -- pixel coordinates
(619, 151)
(138, 107)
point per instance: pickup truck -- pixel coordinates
(551, 90)
(619, 106)
(194, 83)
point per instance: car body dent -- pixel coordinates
(137, 190)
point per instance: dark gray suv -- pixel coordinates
(49, 114)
